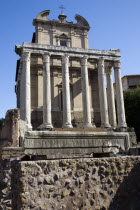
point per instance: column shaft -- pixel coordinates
(110, 97)
(66, 92)
(47, 118)
(119, 96)
(85, 93)
(102, 94)
(26, 90)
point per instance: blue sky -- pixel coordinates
(115, 24)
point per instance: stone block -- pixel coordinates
(75, 142)
(10, 130)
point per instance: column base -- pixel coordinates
(28, 127)
(67, 125)
(105, 125)
(89, 126)
(122, 129)
(113, 126)
(45, 126)
(122, 126)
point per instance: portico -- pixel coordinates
(105, 61)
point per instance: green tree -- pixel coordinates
(1, 122)
(132, 109)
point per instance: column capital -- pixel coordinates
(84, 60)
(66, 55)
(117, 64)
(25, 56)
(101, 66)
(108, 68)
(85, 57)
(65, 58)
(46, 57)
(101, 59)
(46, 54)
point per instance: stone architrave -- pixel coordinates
(102, 94)
(85, 93)
(47, 118)
(119, 96)
(66, 92)
(110, 96)
(26, 90)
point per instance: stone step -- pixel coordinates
(80, 129)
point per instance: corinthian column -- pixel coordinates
(85, 93)
(66, 92)
(110, 97)
(47, 119)
(119, 96)
(26, 91)
(102, 94)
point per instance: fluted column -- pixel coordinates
(110, 97)
(47, 118)
(119, 96)
(26, 91)
(85, 93)
(66, 92)
(102, 94)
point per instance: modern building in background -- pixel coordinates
(130, 81)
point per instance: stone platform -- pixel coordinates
(75, 142)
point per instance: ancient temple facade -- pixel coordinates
(60, 82)
(65, 92)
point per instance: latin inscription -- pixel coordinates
(57, 143)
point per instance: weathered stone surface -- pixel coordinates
(106, 183)
(7, 155)
(9, 133)
(69, 142)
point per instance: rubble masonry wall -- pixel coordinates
(73, 184)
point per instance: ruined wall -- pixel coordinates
(73, 184)
(7, 155)
(9, 139)
(9, 133)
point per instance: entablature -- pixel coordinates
(73, 52)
